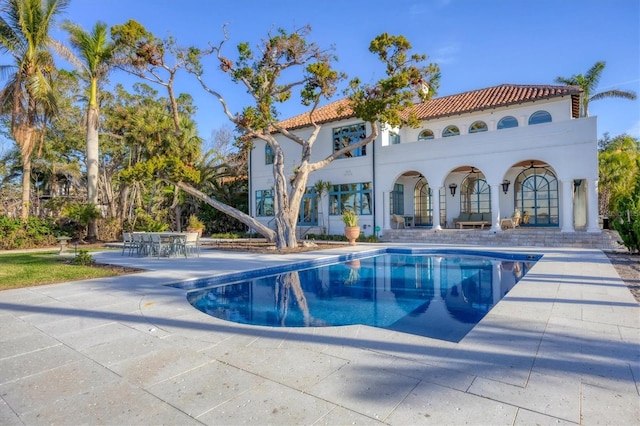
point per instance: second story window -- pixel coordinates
(425, 135)
(507, 122)
(450, 131)
(540, 117)
(478, 126)
(394, 138)
(349, 135)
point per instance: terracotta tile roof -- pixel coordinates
(492, 97)
(475, 100)
(338, 110)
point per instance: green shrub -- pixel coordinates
(145, 222)
(228, 236)
(626, 220)
(32, 233)
(83, 258)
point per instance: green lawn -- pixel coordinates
(37, 268)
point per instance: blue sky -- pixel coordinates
(477, 43)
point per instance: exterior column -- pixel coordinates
(386, 218)
(435, 200)
(592, 205)
(567, 206)
(495, 208)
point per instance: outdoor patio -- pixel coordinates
(563, 347)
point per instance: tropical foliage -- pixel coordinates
(28, 98)
(588, 83)
(619, 166)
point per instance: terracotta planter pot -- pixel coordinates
(352, 233)
(199, 231)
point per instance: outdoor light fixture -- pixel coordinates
(505, 185)
(576, 184)
(452, 188)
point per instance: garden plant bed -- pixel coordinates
(261, 246)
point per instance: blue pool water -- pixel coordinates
(438, 295)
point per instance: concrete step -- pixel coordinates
(520, 237)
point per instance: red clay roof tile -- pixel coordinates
(476, 100)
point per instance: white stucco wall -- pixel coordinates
(568, 146)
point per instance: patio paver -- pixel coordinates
(563, 347)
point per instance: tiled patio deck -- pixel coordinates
(562, 348)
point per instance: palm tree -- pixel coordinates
(588, 83)
(28, 97)
(95, 54)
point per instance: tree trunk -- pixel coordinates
(287, 204)
(26, 187)
(24, 136)
(252, 223)
(92, 168)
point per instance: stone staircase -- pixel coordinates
(519, 237)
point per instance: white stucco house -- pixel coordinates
(491, 151)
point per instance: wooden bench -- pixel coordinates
(472, 219)
(473, 224)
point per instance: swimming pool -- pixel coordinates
(434, 294)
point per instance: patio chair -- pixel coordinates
(398, 221)
(139, 243)
(128, 243)
(192, 244)
(513, 222)
(160, 246)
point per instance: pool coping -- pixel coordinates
(562, 346)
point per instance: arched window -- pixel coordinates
(540, 117)
(450, 131)
(507, 122)
(268, 154)
(478, 126)
(425, 135)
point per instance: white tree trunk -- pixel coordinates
(261, 229)
(92, 167)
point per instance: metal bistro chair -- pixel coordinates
(138, 243)
(192, 244)
(146, 244)
(186, 244)
(160, 246)
(128, 243)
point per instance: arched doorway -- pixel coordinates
(475, 193)
(536, 192)
(423, 203)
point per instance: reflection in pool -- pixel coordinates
(438, 296)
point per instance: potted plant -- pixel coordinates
(195, 225)
(351, 228)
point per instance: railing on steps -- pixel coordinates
(302, 231)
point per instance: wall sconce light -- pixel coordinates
(452, 188)
(505, 185)
(576, 184)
